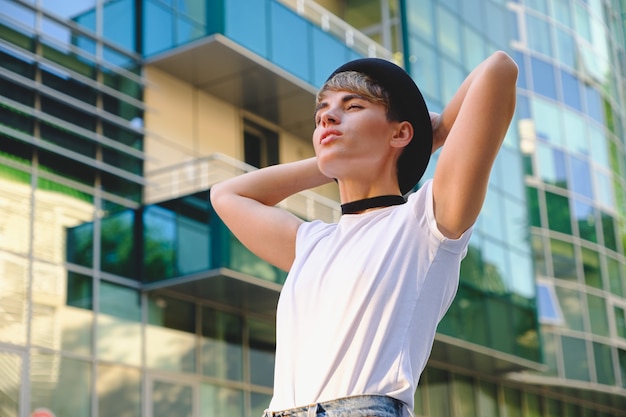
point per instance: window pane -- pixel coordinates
(570, 302)
(575, 358)
(439, 393)
(615, 276)
(585, 216)
(119, 319)
(262, 348)
(608, 229)
(512, 402)
(11, 384)
(543, 78)
(119, 254)
(620, 321)
(552, 165)
(222, 338)
(604, 364)
(119, 391)
(60, 384)
(170, 336)
(221, 401)
(464, 390)
(287, 27)
(488, 399)
(566, 49)
(581, 177)
(575, 132)
(591, 268)
(448, 34)
(539, 35)
(622, 365)
(171, 399)
(546, 116)
(558, 213)
(598, 315)
(547, 304)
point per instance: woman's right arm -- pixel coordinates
(246, 204)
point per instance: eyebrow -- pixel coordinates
(344, 99)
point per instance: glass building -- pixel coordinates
(122, 293)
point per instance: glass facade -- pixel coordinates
(110, 306)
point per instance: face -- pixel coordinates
(352, 135)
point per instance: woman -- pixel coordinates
(359, 309)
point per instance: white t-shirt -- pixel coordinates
(360, 307)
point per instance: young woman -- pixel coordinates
(359, 309)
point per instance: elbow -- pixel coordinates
(505, 66)
(216, 196)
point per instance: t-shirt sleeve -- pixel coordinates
(308, 234)
(423, 206)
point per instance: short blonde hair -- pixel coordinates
(358, 83)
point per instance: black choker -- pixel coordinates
(358, 206)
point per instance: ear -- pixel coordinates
(402, 135)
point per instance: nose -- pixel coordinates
(329, 117)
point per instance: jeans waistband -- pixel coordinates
(361, 405)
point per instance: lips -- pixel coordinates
(328, 136)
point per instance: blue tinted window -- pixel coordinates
(246, 23)
(543, 78)
(523, 107)
(521, 78)
(585, 216)
(594, 104)
(158, 34)
(552, 165)
(571, 90)
(566, 48)
(290, 41)
(188, 30)
(548, 304)
(328, 54)
(539, 35)
(581, 177)
(119, 23)
(424, 69)
(448, 33)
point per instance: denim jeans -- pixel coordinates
(357, 406)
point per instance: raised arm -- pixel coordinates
(471, 129)
(246, 204)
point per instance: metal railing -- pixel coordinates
(200, 174)
(352, 37)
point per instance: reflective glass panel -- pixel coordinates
(221, 401)
(620, 321)
(515, 220)
(547, 304)
(171, 399)
(119, 252)
(614, 268)
(246, 23)
(566, 50)
(533, 405)
(543, 78)
(448, 33)
(552, 165)
(512, 402)
(158, 28)
(539, 34)
(575, 132)
(571, 306)
(487, 394)
(549, 350)
(585, 216)
(575, 358)
(439, 392)
(62, 385)
(222, 350)
(11, 384)
(604, 363)
(170, 336)
(622, 365)
(119, 391)
(464, 390)
(258, 403)
(599, 147)
(581, 177)
(608, 230)
(591, 268)
(539, 254)
(424, 69)
(594, 104)
(563, 259)
(262, 348)
(289, 40)
(420, 19)
(561, 12)
(56, 324)
(598, 315)
(546, 116)
(558, 210)
(119, 319)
